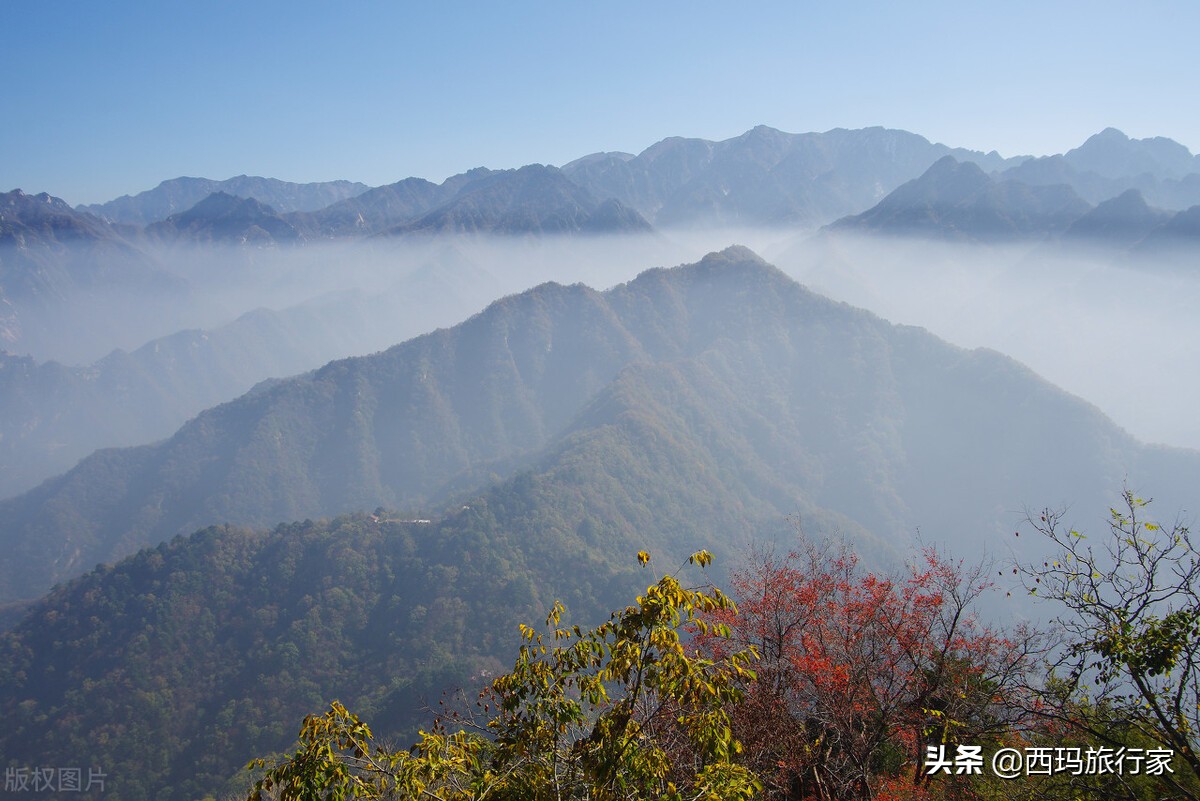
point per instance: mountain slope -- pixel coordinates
(827, 404)
(174, 668)
(537, 447)
(52, 415)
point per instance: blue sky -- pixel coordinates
(108, 98)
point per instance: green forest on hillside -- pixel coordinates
(513, 461)
(825, 681)
(173, 668)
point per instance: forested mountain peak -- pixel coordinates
(437, 415)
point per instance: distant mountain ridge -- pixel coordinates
(533, 199)
(47, 218)
(1110, 163)
(1121, 221)
(1114, 155)
(765, 176)
(57, 263)
(222, 217)
(378, 209)
(180, 194)
(960, 201)
(762, 177)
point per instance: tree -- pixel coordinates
(623, 711)
(1129, 666)
(859, 672)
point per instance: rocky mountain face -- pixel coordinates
(532, 200)
(765, 176)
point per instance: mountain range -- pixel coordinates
(763, 177)
(180, 194)
(222, 217)
(957, 201)
(953, 200)
(70, 280)
(814, 403)
(373, 528)
(531, 451)
(51, 253)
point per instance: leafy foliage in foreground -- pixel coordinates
(1129, 666)
(621, 711)
(860, 671)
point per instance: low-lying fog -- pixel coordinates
(205, 324)
(1121, 334)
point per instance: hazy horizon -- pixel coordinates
(124, 96)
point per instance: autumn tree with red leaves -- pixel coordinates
(860, 672)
